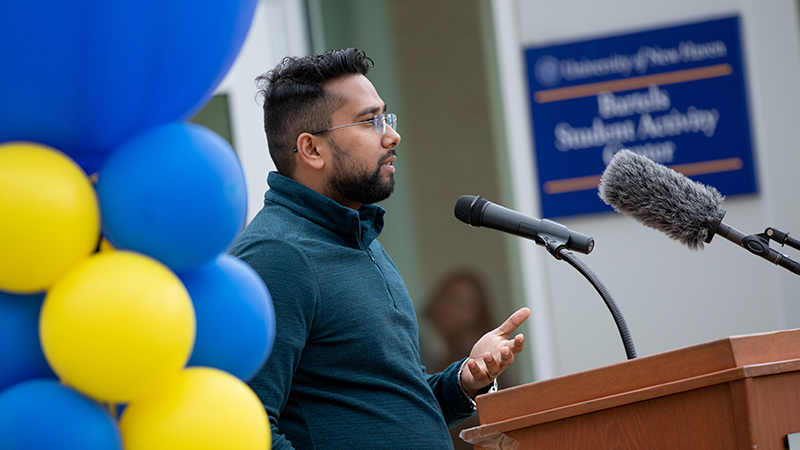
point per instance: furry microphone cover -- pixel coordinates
(661, 198)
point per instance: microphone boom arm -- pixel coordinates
(557, 247)
(758, 244)
(573, 260)
(782, 238)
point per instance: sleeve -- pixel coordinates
(447, 389)
(291, 284)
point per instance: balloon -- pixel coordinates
(203, 409)
(176, 193)
(42, 414)
(105, 246)
(117, 326)
(235, 316)
(21, 354)
(49, 217)
(83, 76)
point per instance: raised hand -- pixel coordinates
(493, 353)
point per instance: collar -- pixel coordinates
(365, 224)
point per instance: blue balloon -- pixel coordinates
(235, 317)
(176, 193)
(21, 356)
(83, 76)
(43, 414)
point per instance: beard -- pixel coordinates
(351, 185)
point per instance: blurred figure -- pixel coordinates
(456, 316)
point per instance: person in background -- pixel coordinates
(456, 316)
(345, 370)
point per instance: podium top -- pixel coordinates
(697, 362)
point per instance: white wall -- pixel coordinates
(671, 297)
(279, 29)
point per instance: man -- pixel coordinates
(344, 372)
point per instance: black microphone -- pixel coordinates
(556, 238)
(479, 212)
(685, 210)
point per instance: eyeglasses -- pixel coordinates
(380, 121)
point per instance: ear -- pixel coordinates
(308, 151)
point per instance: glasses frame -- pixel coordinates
(380, 121)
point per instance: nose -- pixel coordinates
(391, 138)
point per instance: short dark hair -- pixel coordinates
(295, 101)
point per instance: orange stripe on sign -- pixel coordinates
(661, 79)
(689, 169)
(571, 184)
(706, 167)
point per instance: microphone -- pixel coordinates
(685, 210)
(660, 198)
(479, 212)
(556, 238)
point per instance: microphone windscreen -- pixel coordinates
(661, 198)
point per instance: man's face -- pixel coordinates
(354, 182)
(362, 169)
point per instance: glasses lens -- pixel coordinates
(381, 120)
(380, 123)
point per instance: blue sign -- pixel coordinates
(676, 95)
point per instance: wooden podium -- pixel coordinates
(739, 393)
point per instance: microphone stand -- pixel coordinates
(758, 244)
(558, 249)
(782, 238)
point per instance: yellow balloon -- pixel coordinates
(202, 409)
(117, 326)
(105, 246)
(49, 216)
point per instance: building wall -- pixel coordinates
(670, 296)
(444, 79)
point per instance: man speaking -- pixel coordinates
(345, 371)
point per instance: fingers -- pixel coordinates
(493, 368)
(518, 343)
(485, 368)
(511, 324)
(478, 375)
(506, 358)
(485, 373)
(494, 352)
(493, 365)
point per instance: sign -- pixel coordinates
(675, 95)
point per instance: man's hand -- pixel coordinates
(493, 353)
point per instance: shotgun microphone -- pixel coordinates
(685, 210)
(660, 198)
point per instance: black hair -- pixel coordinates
(296, 102)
